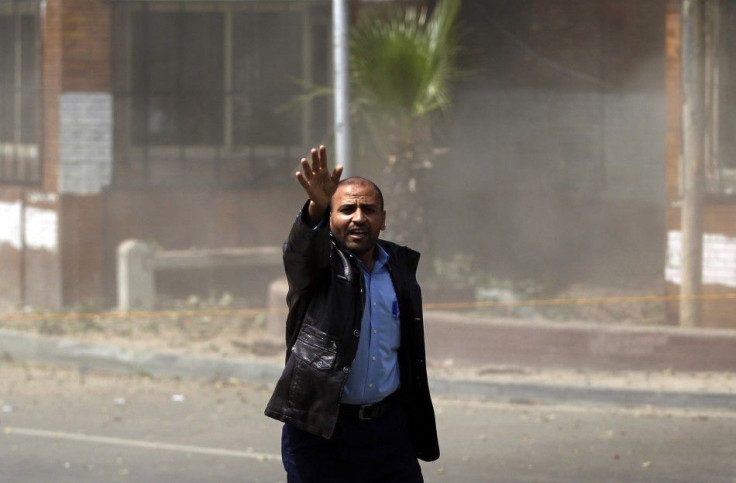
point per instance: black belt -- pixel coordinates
(366, 412)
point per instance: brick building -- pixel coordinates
(129, 119)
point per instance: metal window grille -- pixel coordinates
(20, 160)
(201, 90)
(721, 160)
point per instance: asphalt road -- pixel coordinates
(63, 426)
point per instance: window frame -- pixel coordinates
(720, 178)
(21, 162)
(229, 150)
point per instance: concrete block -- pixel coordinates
(136, 288)
(277, 310)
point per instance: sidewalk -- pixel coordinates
(503, 360)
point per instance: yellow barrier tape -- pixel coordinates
(436, 306)
(132, 315)
(578, 301)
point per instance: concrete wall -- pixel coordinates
(556, 152)
(177, 219)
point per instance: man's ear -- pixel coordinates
(383, 223)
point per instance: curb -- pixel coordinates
(66, 352)
(530, 393)
(578, 345)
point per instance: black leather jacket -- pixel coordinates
(325, 302)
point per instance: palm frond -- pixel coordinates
(402, 62)
(310, 92)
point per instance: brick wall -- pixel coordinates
(10, 255)
(42, 255)
(51, 65)
(86, 43)
(84, 68)
(82, 248)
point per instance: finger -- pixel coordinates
(306, 169)
(302, 180)
(315, 160)
(323, 157)
(337, 173)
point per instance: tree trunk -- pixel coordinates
(408, 189)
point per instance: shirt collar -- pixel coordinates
(381, 261)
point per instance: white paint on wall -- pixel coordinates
(86, 142)
(42, 229)
(719, 259)
(36, 197)
(10, 223)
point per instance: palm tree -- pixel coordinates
(403, 61)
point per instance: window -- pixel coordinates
(20, 161)
(202, 89)
(721, 165)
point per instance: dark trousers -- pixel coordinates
(378, 450)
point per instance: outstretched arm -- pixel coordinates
(318, 182)
(306, 252)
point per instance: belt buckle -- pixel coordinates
(364, 413)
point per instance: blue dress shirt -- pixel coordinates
(375, 370)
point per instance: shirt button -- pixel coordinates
(374, 358)
(370, 385)
(356, 333)
(346, 369)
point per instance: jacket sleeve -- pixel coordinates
(306, 252)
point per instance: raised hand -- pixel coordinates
(318, 182)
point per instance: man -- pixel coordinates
(353, 394)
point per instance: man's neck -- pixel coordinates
(369, 259)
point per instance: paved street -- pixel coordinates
(63, 426)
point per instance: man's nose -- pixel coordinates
(358, 215)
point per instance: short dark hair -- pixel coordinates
(359, 180)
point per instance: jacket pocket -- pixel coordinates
(316, 348)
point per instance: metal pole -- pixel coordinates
(693, 162)
(340, 24)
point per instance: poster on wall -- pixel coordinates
(10, 225)
(36, 228)
(719, 259)
(86, 142)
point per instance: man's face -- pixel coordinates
(357, 218)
